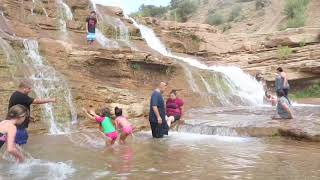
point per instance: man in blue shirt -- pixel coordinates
(157, 114)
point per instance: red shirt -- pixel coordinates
(173, 107)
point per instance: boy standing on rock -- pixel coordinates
(91, 27)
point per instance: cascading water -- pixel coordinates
(104, 41)
(118, 25)
(242, 85)
(65, 15)
(35, 2)
(47, 83)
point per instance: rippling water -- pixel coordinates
(179, 156)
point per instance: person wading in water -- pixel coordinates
(16, 116)
(157, 113)
(21, 97)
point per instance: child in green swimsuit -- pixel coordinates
(105, 122)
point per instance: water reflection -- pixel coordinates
(179, 156)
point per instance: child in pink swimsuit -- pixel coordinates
(123, 123)
(105, 123)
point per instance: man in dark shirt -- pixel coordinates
(91, 27)
(21, 97)
(157, 114)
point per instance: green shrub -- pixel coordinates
(226, 27)
(312, 91)
(235, 12)
(135, 66)
(302, 43)
(215, 19)
(295, 10)
(185, 9)
(284, 52)
(151, 11)
(261, 4)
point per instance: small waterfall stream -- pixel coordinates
(65, 14)
(48, 83)
(242, 85)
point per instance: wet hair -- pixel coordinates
(25, 84)
(105, 112)
(174, 92)
(280, 69)
(17, 111)
(118, 111)
(93, 12)
(281, 93)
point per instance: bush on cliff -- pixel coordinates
(312, 91)
(284, 52)
(295, 10)
(235, 12)
(151, 11)
(215, 19)
(182, 10)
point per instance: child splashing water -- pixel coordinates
(123, 123)
(105, 122)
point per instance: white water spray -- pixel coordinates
(65, 15)
(243, 85)
(46, 83)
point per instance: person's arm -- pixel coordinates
(156, 111)
(284, 75)
(11, 146)
(278, 83)
(154, 104)
(286, 107)
(44, 101)
(88, 114)
(87, 28)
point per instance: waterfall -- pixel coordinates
(122, 36)
(34, 5)
(104, 41)
(48, 83)
(243, 85)
(65, 15)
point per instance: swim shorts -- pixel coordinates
(113, 136)
(127, 130)
(21, 136)
(91, 36)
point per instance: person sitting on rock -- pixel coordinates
(91, 27)
(271, 99)
(283, 107)
(174, 108)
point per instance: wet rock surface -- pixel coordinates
(254, 122)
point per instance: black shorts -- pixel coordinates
(176, 118)
(158, 130)
(1, 143)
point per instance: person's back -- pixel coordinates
(281, 110)
(122, 121)
(107, 125)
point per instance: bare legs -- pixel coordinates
(123, 138)
(170, 120)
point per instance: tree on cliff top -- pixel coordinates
(151, 11)
(178, 10)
